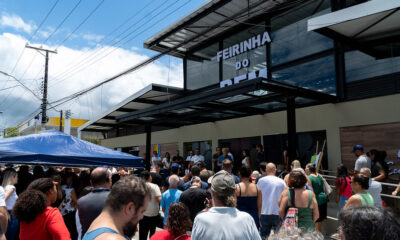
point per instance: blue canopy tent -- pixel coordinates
(52, 147)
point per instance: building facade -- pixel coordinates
(286, 78)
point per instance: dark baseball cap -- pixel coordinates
(358, 147)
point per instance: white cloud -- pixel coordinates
(92, 37)
(16, 22)
(20, 103)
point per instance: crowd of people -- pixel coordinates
(188, 201)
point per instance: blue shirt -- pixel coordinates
(204, 185)
(220, 160)
(168, 197)
(236, 178)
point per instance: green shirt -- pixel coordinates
(318, 187)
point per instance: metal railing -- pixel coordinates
(328, 177)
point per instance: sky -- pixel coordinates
(94, 40)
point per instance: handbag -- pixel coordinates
(292, 214)
(327, 187)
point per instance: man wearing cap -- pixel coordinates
(363, 161)
(223, 220)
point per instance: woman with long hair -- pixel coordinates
(246, 158)
(69, 204)
(167, 161)
(60, 194)
(38, 220)
(317, 182)
(10, 178)
(249, 198)
(379, 168)
(343, 186)
(178, 223)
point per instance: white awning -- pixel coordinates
(367, 21)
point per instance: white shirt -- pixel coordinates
(155, 159)
(189, 158)
(363, 161)
(2, 197)
(197, 158)
(154, 207)
(224, 223)
(375, 189)
(167, 164)
(271, 189)
(244, 162)
(12, 199)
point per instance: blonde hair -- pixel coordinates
(296, 164)
(8, 173)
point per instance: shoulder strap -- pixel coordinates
(292, 199)
(240, 190)
(97, 232)
(362, 199)
(309, 198)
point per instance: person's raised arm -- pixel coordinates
(396, 191)
(381, 176)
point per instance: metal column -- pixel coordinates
(291, 127)
(148, 146)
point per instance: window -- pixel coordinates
(202, 68)
(361, 66)
(257, 57)
(317, 75)
(290, 38)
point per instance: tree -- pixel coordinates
(11, 132)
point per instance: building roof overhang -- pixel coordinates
(207, 22)
(251, 97)
(370, 27)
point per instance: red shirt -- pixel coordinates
(167, 235)
(49, 225)
(345, 186)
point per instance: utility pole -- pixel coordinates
(44, 99)
(61, 115)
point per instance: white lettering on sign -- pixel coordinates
(252, 75)
(244, 46)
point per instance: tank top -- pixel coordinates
(305, 214)
(97, 232)
(366, 199)
(248, 204)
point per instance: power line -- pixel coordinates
(84, 20)
(146, 62)
(62, 22)
(109, 34)
(44, 19)
(83, 63)
(23, 50)
(114, 49)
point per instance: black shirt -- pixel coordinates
(194, 199)
(157, 179)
